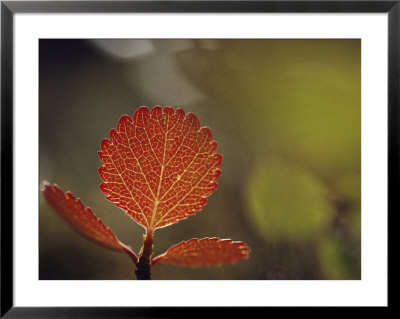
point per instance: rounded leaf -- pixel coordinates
(159, 166)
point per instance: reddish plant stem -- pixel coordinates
(143, 271)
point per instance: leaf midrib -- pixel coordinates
(156, 199)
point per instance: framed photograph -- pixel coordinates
(237, 153)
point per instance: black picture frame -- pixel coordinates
(9, 8)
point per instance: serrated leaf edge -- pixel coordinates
(68, 195)
(245, 249)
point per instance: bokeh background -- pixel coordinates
(286, 115)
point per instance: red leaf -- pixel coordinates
(204, 252)
(159, 166)
(82, 219)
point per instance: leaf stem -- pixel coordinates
(143, 271)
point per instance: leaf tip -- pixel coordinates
(124, 121)
(104, 144)
(141, 111)
(156, 109)
(218, 157)
(168, 110)
(206, 131)
(194, 121)
(114, 137)
(43, 185)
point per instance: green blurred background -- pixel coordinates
(286, 115)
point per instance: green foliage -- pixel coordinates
(287, 202)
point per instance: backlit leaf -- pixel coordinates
(204, 252)
(81, 218)
(159, 166)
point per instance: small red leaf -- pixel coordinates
(82, 219)
(159, 166)
(204, 252)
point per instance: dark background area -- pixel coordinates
(286, 115)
